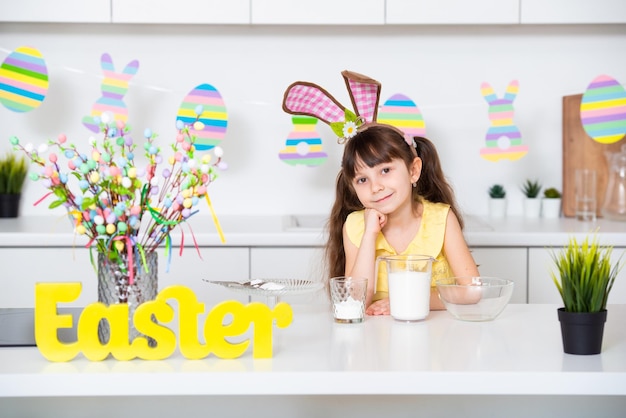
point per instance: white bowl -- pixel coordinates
(475, 298)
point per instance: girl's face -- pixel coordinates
(386, 186)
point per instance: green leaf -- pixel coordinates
(337, 128)
(87, 201)
(60, 193)
(585, 275)
(56, 204)
(349, 115)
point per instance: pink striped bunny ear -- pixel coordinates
(364, 94)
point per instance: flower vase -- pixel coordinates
(115, 287)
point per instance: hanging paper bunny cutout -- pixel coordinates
(304, 98)
(114, 87)
(303, 146)
(503, 138)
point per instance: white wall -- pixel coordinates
(439, 67)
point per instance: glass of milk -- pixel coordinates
(348, 297)
(409, 285)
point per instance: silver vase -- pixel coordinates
(114, 287)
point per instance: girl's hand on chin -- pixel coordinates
(380, 307)
(374, 220)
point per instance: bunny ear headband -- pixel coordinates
(304, 98)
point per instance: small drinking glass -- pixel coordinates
(585, 195)
(348, 297)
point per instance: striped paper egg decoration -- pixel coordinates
(23, 80)
(603, 110)
(402, 112)
(210, 128)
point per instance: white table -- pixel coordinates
(513, 366)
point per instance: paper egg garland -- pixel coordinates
(603, 110)
(303, 145)
(209, 125)
(401, 112)
(23, 80)
(503, 138)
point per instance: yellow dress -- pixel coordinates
(428, 241)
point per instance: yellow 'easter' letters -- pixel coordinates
(216, 329)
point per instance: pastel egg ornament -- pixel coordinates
(402, 112)
(23, 80)
(204, 112)
(603, 110)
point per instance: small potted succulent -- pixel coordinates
(497, 201)
(551, 203)
(532, 203)
(584, 278)
(13, 171)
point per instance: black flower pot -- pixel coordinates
(582, 331)
(9, 205)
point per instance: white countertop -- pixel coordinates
(307, 230)
(519, 353)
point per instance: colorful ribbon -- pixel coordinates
(215, 220)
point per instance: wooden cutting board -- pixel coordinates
(580, 151)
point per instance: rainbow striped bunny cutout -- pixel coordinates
(503, 138)
(114, 87)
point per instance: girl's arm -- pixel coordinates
(461, 263)
(456, 250)
(360, 261)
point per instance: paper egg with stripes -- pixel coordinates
(402, 112)
(603, 110)
(204, 111)
(23, 80)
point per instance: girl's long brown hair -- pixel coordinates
(375, 145)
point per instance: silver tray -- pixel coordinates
(271, 287)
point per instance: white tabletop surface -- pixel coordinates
(519, 353)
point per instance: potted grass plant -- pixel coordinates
(551, 203)
(532, 203)
(13, 171)
(497, 201)
(584, 279)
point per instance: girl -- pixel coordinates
(392, 198)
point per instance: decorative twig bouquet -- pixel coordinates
(120, 205)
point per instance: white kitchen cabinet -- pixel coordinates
(572, 11)
(541, 288)
(23, 267)
(318, 12)
(452, 12)
(181, 11)
(75, 11)
(505, 263)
